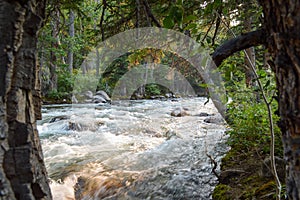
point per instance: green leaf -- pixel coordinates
(168, 22)
(179, 2)
(267, 84)
(189, 18)
(191, 26)
(198, 37)
(217, 3)
(179, 16)
(261, 74)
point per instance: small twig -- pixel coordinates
(212, 160)
(215, 165)
(211, 25)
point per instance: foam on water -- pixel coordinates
(132, 137)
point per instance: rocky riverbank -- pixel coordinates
(246, 174)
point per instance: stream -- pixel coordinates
(132, 149)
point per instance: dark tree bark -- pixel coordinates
(239, 43)
(55, 43)
(22, 170)
(282, 25)
(249, 57)
(72, 35)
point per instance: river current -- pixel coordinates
(132, 149)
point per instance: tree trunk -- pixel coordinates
(282, 24)
(249, 57)
(22, 170)
(53, 58)
(71, 34)
(97, 62)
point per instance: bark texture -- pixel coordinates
(239, 43)
(282, 25)
(22, 170)
(71, 34)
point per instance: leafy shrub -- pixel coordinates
(250, 127)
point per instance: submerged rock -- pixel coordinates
(216, 119)
(171, 135)
(179, 112)
(84, 125)
(59, 118)
(204, 114)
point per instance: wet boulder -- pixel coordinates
(74, 126)
(58, 118)
(171, 135)
(99, 99)
(104, 95)
(84, 125)
(168, 95)
(179, 112)
(204, 114)
(216, 119)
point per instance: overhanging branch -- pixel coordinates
(239, 43)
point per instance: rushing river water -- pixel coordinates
(132, 149)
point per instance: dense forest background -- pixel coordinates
(74, 29)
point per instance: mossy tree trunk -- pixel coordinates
(282, 26)
(22, 170)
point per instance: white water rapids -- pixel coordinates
(132, 149)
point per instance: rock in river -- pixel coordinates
(99, 99)
(179, 112)
(104, 95)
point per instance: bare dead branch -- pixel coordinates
(215, 165)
